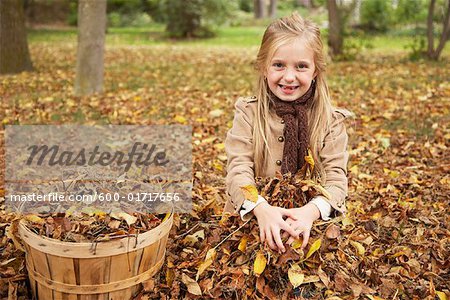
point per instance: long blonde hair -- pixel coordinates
(278, 33)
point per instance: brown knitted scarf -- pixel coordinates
(295, 129)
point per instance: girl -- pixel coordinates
(273, 131)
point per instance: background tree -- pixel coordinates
(338, 16)
(191, 18)
(335, 29)
(14, 53)
(434, 53)
(259, 9)
(91, 44)
(376, 15)
(273, 8)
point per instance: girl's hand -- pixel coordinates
(302, 223)
(270, 221)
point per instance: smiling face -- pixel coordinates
(291, 70)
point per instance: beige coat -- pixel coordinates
(239, 149)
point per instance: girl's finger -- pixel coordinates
(269, 239)
(288, 229)
(305, 238)
(261, 235)
(292, 239)
(277, 238)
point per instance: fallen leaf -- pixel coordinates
(250, 193)
(210, 256)
(295, 275)
(332, 231)
(314, 247)
(243, 244)
(359, 247)
(260, 263)
(191, 285)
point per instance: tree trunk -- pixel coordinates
(335, 37)
(445, 32)
(305, 3)
(259, 9)
(91, 43)
(14, 53)
(430, 30)
(431, 52)
(273, 9)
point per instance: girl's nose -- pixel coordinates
(289, 76)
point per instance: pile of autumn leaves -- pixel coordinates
(233, 263)
(91, 225)
(346, 258)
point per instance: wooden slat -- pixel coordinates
(126, 264)
(62, 270)
(148, 259)
(94, 271)
(29, 259)
(41, 266)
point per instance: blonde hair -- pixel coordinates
(278, 33)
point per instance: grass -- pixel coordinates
(226, 36)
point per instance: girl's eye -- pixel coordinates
(302, 66)
(278, 65)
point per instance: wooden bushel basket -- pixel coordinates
(112, 270)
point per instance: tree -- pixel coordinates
(304, 3)
(192, 18)
(273, 8)
(433, 53)
(91, 43)
(14, 53)
(335, 31)
(338, 17)
(259, 9)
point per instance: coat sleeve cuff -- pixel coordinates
(323, 206)
(248, 206)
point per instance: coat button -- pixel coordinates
(282, 121)
(281, 139)
(278, 162)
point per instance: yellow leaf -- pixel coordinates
(243, 244)
(191, 285)
(218, 166)
(295, 275)
(210, 256)
(124, 216)
(220, 146)
(347, 221)
(225, 216)
(180, 119)
(250, 192)
(170, 276)
(260, 263)
(354, 170)
(297, 243)
(34, 219)
(310, 160)
(360, 248)
(374, 297)
(314, 247)
(324, 192)
(166, 217)
(376, 215)
(441, 295)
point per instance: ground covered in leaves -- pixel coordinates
(393, 243)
